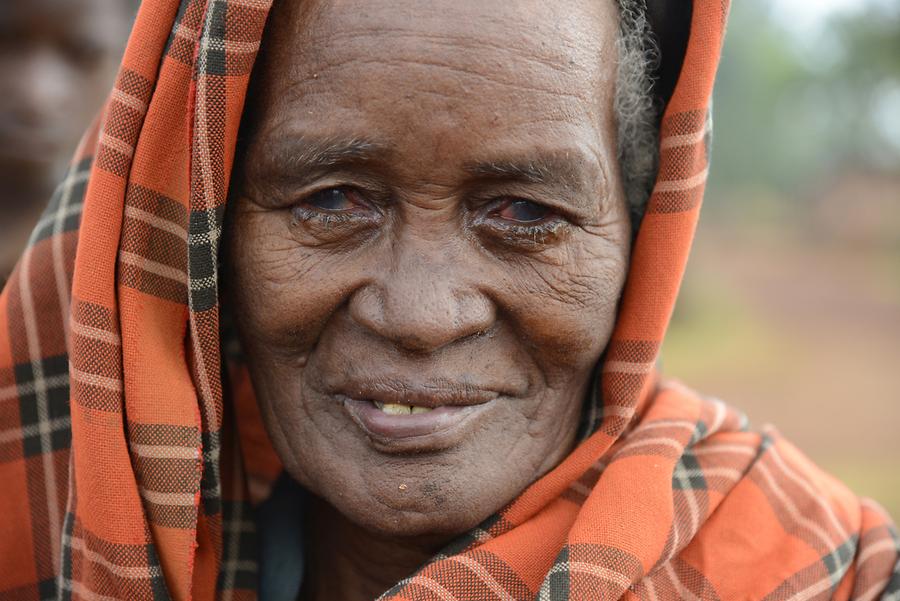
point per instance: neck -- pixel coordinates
(347, 562)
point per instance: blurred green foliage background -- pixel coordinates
(790, 308)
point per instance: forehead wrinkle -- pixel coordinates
(561, 58)
(523, 54)
(512, 29)
(339, 57)
(475, 62)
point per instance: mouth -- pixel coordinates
(405, 420)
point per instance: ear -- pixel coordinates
(670, 21)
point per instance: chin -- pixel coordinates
(401, 514)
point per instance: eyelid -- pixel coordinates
(555, 202)
(365, 198)
(523, 236)
(553, 212)
(511, 201)
(352, 196)
(333, 224)
(528, 237)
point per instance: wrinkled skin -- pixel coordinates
(57, 62)
(429, 199)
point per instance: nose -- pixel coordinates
(424, 300)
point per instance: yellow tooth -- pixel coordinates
(421, 409)
(396, 409)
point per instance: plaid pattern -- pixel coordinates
(125, 477)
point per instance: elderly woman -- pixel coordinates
(437, 275)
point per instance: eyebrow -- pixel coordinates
(568, 169)
(296, 160)
(302, 154)
(302, 157)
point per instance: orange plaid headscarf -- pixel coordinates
(123, 476)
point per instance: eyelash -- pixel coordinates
(524, 235)
(530, 236)
(300, 213)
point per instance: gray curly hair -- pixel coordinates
(636, 109)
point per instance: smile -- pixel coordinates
(401, 409)
(400, 419)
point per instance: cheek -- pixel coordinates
(282, 292)
(566, 304)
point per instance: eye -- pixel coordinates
(522, 211)
(334, 200)
(516, 223)
(335, 214)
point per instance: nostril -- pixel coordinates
(417, 344)
(366, 308)
(424, 319)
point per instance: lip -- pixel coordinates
(457, 410)
(432, 395)
(388, 428)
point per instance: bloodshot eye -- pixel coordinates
(517, 224)
(522, 211)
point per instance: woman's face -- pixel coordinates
(428, 241)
